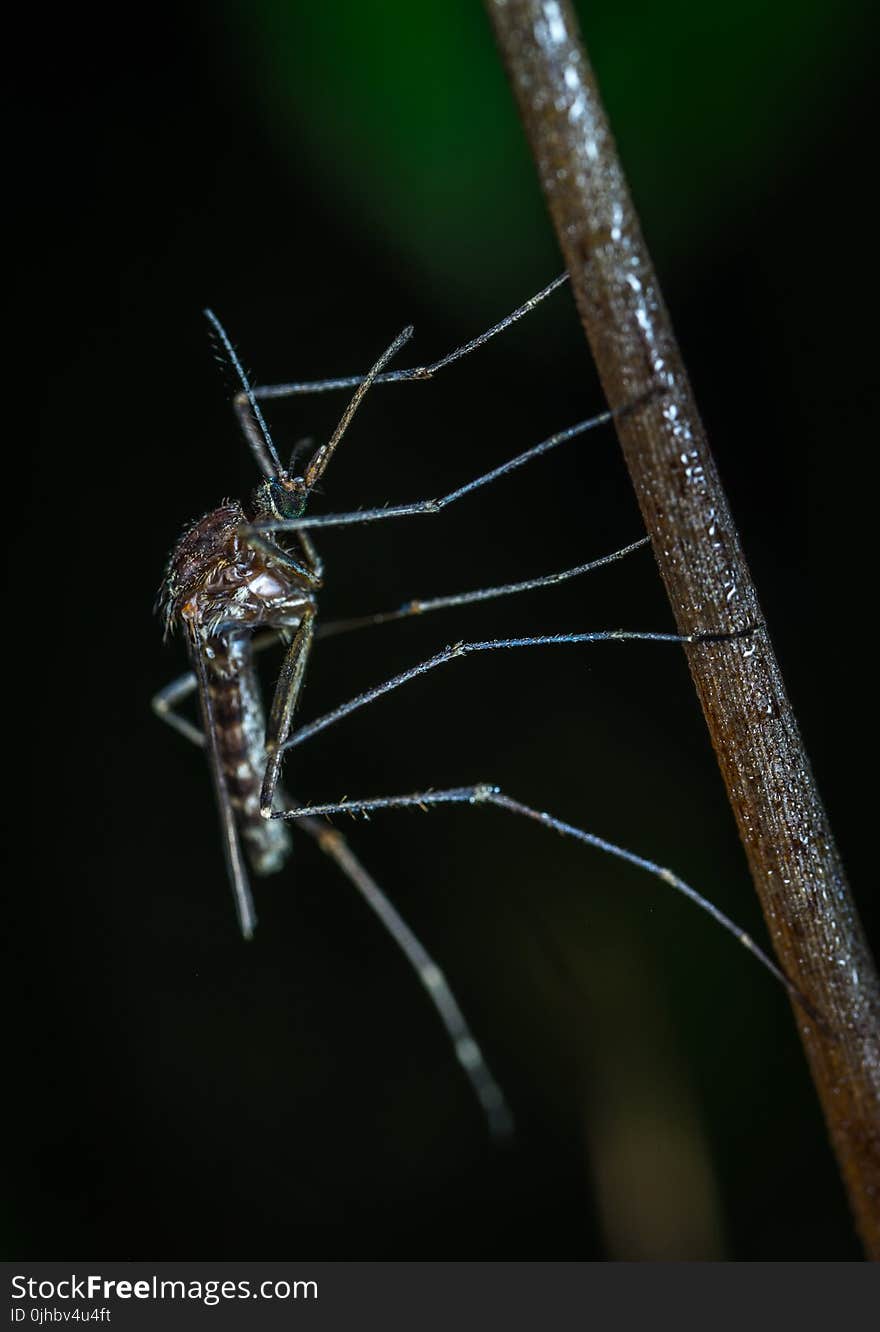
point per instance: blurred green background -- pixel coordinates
(322, 176)
(403, 111)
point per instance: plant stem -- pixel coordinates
(791, 853)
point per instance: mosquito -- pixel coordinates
(247, 575)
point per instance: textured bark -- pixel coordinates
(795, 865)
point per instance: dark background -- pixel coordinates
(181, 1094)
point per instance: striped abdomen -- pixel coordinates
(240, 728)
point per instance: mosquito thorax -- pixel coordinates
(280, 497)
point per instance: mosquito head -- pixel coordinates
(286, 492)
(282, 496)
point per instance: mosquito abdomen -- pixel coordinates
(240, 727)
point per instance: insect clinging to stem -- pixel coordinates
(247, 575)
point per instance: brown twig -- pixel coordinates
(796, 868)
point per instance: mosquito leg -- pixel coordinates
(419, 607)
(307, 571)
(456, 650)
(284, 702)
(436, 505)
(417, 373)
(467, 1051)
(164, 703)
(484, 794)
(313, 559)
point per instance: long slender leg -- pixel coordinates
(456, 650)
(485, 794)
(422, 607)
(467, 1051)
(165, 701)
(312, 557)
(436, 505)
(416, 373)
(284, 702)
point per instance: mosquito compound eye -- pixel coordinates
(287, 502)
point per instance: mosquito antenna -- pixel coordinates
(300, 447)
(318, 464)
(261, 443)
